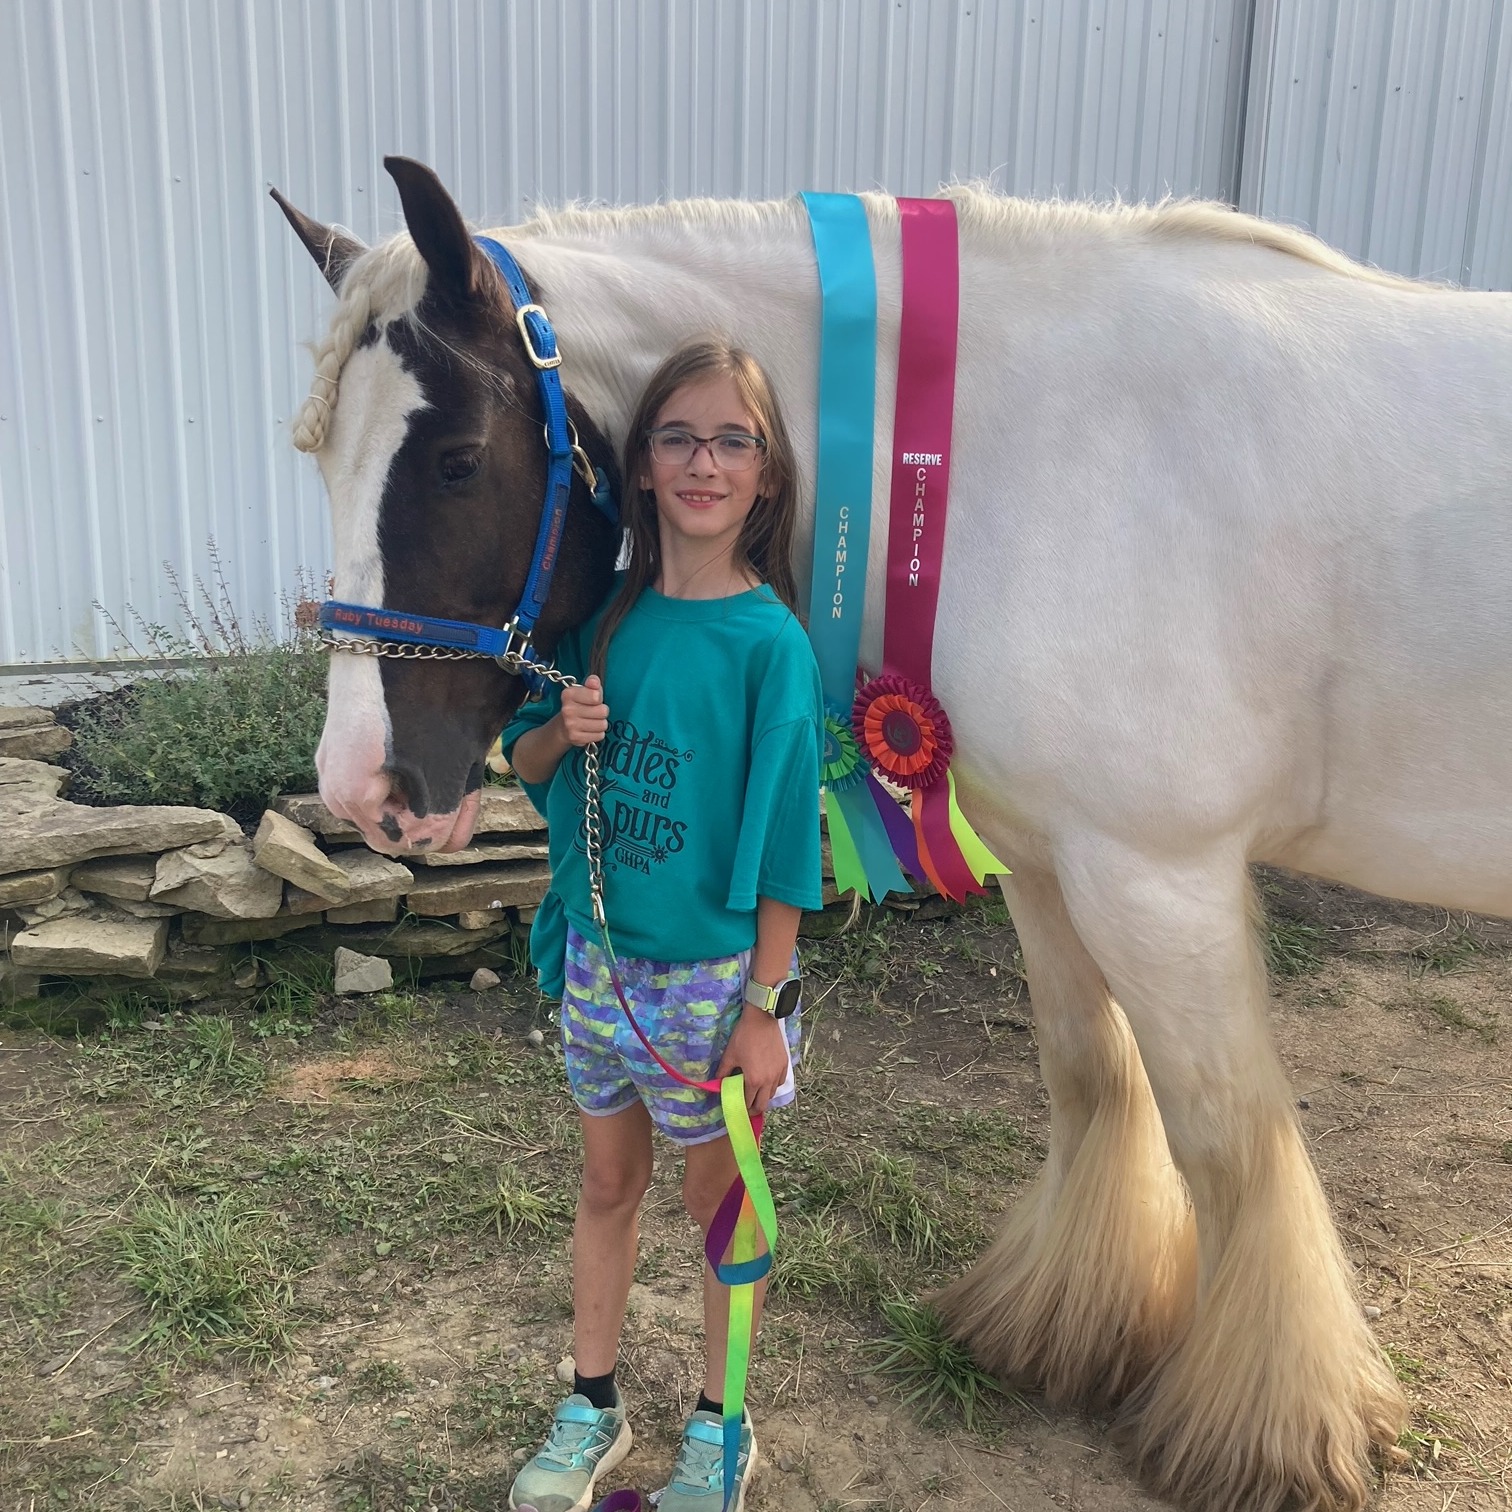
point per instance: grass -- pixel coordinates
(1447, 1011)
(932, 1372)
(1293, 948)
(213, 1275)
(175, 1063)
(513, 1412)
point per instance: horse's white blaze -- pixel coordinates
(370, 422)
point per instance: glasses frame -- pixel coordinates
(758, 442)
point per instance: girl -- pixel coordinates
(704, 689)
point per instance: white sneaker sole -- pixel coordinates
(621, 1446)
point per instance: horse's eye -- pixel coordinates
(459, 466)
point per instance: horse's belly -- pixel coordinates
(1417, 766)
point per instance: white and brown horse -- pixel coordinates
(1225, 580)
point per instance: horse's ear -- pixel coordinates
(334, 251)
(435, 223)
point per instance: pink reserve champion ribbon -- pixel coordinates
(898, 723)
(923, 419)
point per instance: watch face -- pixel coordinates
(787, 998)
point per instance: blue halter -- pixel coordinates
(512, 645)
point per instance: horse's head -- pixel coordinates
(427, 424)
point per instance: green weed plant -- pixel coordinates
(234, 725)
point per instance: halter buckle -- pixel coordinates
(517, 647)
(525, 336)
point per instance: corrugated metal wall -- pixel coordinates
(153, 302)
(1386, 127)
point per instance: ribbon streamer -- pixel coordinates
(745, 1212)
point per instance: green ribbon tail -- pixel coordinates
(974, 852)
(862, 854)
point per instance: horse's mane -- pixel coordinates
(1166, 220)
(387, 282)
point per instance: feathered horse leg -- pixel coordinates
(1092, 1274)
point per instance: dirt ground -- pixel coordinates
(394, 1171)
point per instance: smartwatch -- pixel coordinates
(780, 1001)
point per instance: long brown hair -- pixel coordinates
(765, 543)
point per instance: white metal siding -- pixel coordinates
(153, 302)
(1386, 127)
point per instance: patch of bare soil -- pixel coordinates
(432, 1306)
(334, 1078)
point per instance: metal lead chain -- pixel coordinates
(514, 663)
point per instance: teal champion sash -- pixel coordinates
(858, 830)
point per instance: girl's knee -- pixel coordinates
(703, 1191)
(613, 1186)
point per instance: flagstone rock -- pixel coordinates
(478, 853)
(196, 963)
(414, 940)
(36, 743)
(118, 877)
(483, 887)
(86, 946)
(21, 781)
(479, 918)
(199, 929)
(374, 911)
(361, 973)
(147, 910)
(32, 887)
(55, 832)
(288, 850)
(23, 717)
(219, 878)
(307, 811)
(65, 903)
(368, 875)
(505, 809)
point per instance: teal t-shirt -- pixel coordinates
(710, 780)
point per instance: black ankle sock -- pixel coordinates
(598, 1389)
(705, 1405)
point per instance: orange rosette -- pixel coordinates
(903, 731)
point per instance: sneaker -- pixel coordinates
(585, 1442)
(697, 1483)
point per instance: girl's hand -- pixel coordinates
(758, 1047)
(585, 715)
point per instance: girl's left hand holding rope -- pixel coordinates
(758, 1048)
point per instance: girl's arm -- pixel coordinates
(583, 719)
(758, 1046)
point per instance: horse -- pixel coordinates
(1224, 582)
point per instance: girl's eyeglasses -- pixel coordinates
(734, 451)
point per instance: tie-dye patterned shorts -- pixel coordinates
(688, 1010)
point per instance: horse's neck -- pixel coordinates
(624, 288)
